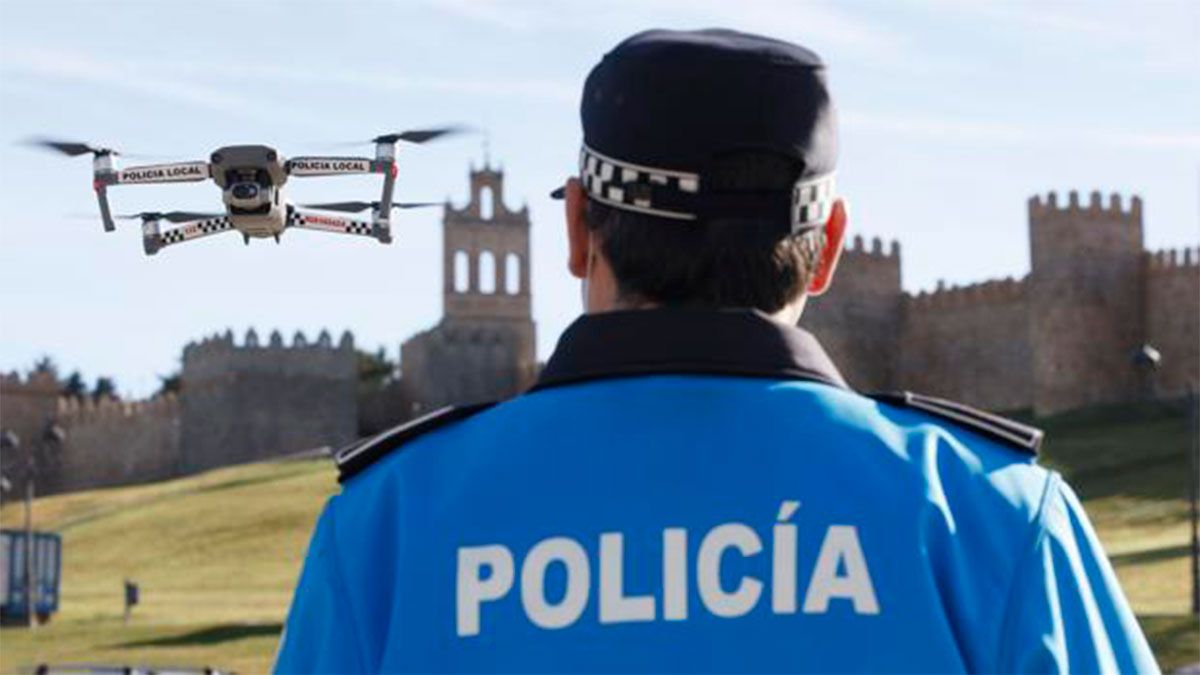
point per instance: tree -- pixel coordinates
(46, 365)
(75, 386)
(170, 384)
(105, 387)
(375, 368)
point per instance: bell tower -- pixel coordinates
(484, 348)
(486, 253)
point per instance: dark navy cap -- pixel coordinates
(663, 109)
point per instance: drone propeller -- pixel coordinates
(169, 216)
(410, 136)
(70, 148)
(353, 207)
(418, 135)
(75, 149)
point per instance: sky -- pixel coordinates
(953, 113)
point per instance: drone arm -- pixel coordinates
(153, 240)
(330, 223)
(105, 174)
(385, 154)
(101, 186)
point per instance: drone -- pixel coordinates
(252, 178)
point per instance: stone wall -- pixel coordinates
(1062, 338)
(112, 442)
(969, 344)
(251, 401)
(858, 319)
(468, 361)
(484, 348)
(1086, 292)
(1173, 318)
(28, 404)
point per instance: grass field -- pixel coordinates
(217, 554)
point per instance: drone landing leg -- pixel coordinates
(276, 237)
(246, 239)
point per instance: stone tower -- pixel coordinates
(484, 347)
(1086, 300)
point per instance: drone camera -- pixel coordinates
(244, 191)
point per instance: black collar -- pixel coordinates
(737, 342)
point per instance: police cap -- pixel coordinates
(664, 108)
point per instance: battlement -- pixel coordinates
(73, 410)
(37, 382)
(220, 354)
(1042, 210)
(987, 293)
(858, 246)
(1173, 259)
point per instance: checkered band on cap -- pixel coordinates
(631, 186)
(812, 202)
(634, 187)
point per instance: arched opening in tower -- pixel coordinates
(462, 272)
(486, 205)
(512, 274)
(487, 272)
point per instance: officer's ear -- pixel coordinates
(577, 229)
(835, 237)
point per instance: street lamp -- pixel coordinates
(10, 441)
(1194, 432)
(1148, 360)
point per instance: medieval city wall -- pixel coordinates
(1086, 293)
(1058, 339)
(28, 403)
(858, 319)
(111, 442)
(253, 401)
(1173, 318)
(969, 344)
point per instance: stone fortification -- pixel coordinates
(1086, 309)
(254, 400)
(484, 348)
(238, 403)
(968, 343)
(110, 442)
(1172, 321)
(1059, 339)
(27, 404)
(858, 319)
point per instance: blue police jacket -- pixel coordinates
(689, 490)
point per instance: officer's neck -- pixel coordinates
(602, 296)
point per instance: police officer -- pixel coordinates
(691, 485)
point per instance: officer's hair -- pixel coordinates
(717, 263)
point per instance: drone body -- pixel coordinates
(252, 180)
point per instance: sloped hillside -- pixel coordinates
(217, 554)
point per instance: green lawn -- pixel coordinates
(217, 554)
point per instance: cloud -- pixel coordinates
(67, 66)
